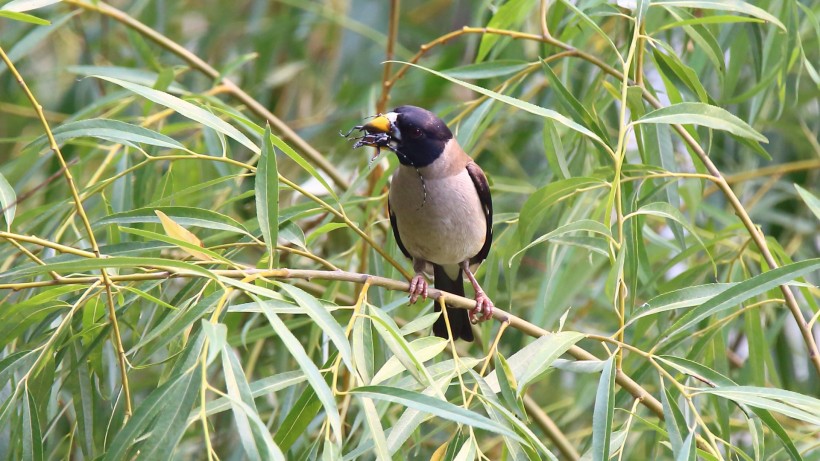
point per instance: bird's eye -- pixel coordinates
(415, 133)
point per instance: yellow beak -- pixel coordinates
(380, 124)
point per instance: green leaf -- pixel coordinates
(32, 435)
(433, 406)
(577, 110)
(703, 38)
(322, 317)
(584, 18)
(673, 419)
(129, 74)
(22, 47)
(712, 19)
(376, 430)
(419, 323)
(411, 418)
(164, 413)
(363, 346)
(423, 349)
(110, 130)
(267, 195)
(186, 109)
(554, 151)
(582, 225)
(603, 412)
(184, 216)
(509, 387)
(217, 336)
(688, 450)
(535, 358)
(502, 415)
(744, 290)
(307, 166)
(314, 377)
(517, 103)
(811, 200)
(253, 433)
(488, 69)
(704, 373)
(681, 298)
(541, 200)
(510, 14)
(94, 264)
(788, 403)
(23, 17)
(697, 113)
(671, 65)
(264, 386)
(26, 5)
(397, 344)
(667, 211)
(8, 201)
(736, 6)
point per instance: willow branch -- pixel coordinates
(551, 429)
(231, 88)
(721, 182)
(453, 301)
(78, 204)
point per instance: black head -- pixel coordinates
(417, 136)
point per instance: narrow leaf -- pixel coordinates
(8, 201)
(811, 200)
(186, 109)
(267, 196)
(518, 103)
(603, 412)
(736, 6)
(434, 406)
(697, 113)
(744, 290)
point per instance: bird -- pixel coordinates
(440, 208)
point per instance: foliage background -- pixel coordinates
(630, 231)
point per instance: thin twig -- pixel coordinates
(551, 429)
(22, 197)
(86, 223)
(392, 33)
(545, 31)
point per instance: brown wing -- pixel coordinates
(395, 227)
(483, 189)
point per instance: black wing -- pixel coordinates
(396, 230)
(483, 189)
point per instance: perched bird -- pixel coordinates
(440, 208)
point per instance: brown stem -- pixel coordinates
(550, 428)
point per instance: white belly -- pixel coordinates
(445, 227)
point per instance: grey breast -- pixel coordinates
(440, 217)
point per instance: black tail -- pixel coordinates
(459, 318)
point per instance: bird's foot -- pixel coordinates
(483, 309)
(418, 287)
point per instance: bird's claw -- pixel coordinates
(418, 287)
(483, 309)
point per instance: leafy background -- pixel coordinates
(230, 289)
